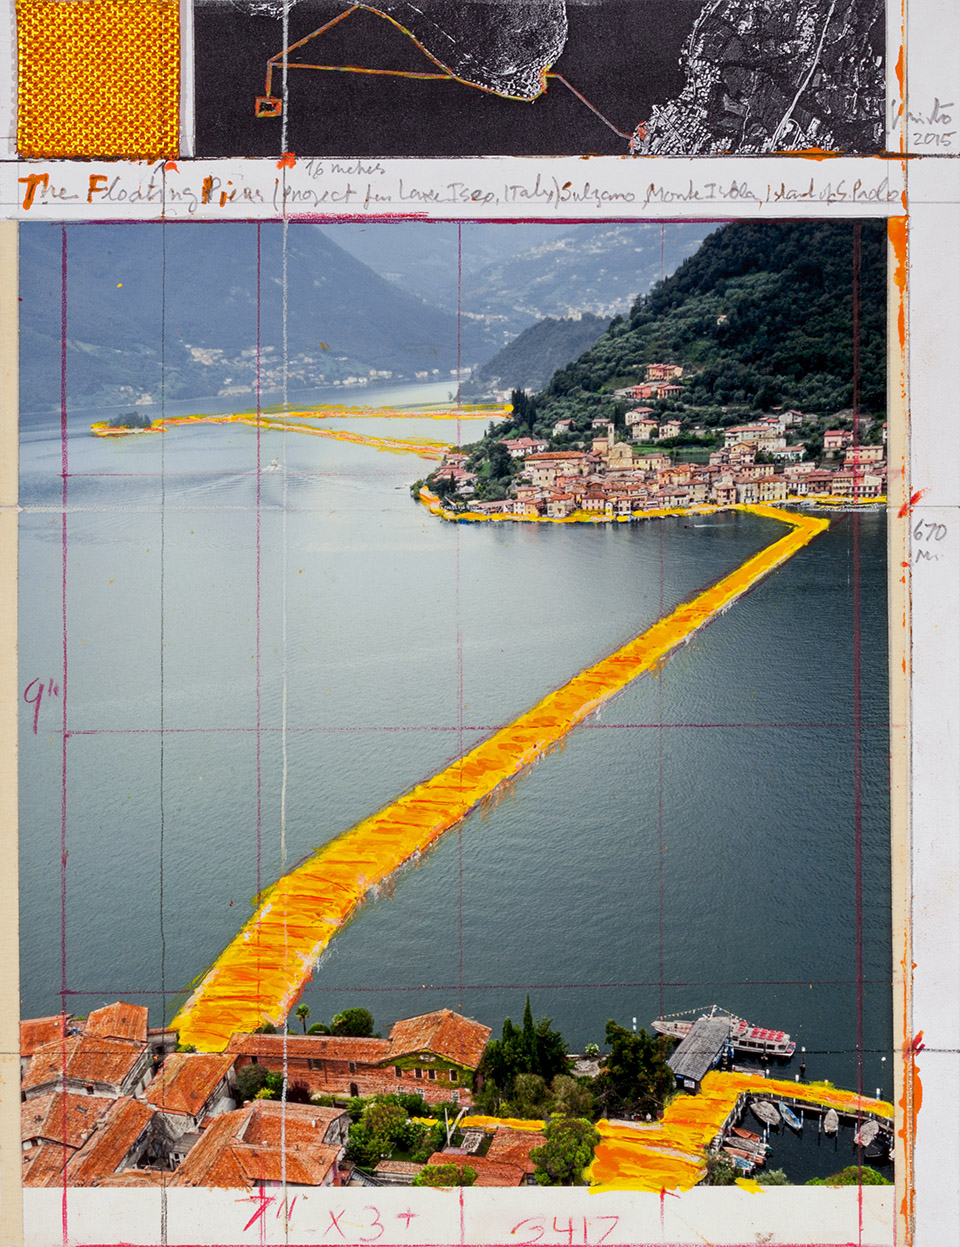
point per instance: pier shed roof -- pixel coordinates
(699, 1049)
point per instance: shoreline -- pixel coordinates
(431, 501)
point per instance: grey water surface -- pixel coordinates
(696, 842)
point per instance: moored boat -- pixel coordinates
(866, 1134)
(740, 1160)
(789, 1116)
(831, 1121)
(744, 1036)
(766, 1112)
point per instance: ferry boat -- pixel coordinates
(744, 1036)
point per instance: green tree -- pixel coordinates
(303, 1012)
(720, 1172)
(532, 1048)
(445, 1175)
(356, 1022)
(635, 1077)
(572, 1097)
(250, 1080)
(853, 1175)
(377, 1133)
(421, 1140)
(500, 463)
(773, 1177)
(529, 1099)
(566, 1153)
(319, 1028)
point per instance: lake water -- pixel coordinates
(693, 843)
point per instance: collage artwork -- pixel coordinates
(479, 656)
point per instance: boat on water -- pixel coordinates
(831, 1121)
(744, 1036)
(866, 1134)
(743, 1160)
(766, 1112)
(789, 1116)
(747, 1135)
(740, 1160)
(757, 1150)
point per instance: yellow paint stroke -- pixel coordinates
(424, 448)
(467, 412)
(260, 974)
(670, 1154)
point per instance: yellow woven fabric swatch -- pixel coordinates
(98, 78)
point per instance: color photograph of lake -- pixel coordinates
(250, 640)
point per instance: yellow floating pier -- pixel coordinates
(669, 1154)
(291, 422)
(261, 973)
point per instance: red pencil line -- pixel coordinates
(63, 689)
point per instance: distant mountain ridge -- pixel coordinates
(510, 276)
(178, 308)
(531, 359)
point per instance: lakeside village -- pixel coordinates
(648, 459)
(107, 1101)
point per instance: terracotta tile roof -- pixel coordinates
(186, 1081)
(35, 1032)
(267, 1164)
(398, 1166)
(305, 1123)
(59, 1118)
(105, 1151)
(204, 1157)
(119, 1021)
(314, 1047)
(489, 1172)
(244, 1146)
(445, 1033)
(84, 1058)
(513, 1147)
(43, 1165)
(138, 1177)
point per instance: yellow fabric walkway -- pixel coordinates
(260, 974)
(668, 1155)
(425, 448)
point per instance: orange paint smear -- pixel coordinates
(900, 68)
(262, 972)
(910, 1103)
(669, 1155)
(897, 234)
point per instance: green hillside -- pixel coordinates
(761, 316)
(531, 359)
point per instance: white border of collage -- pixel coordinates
(927, 811)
